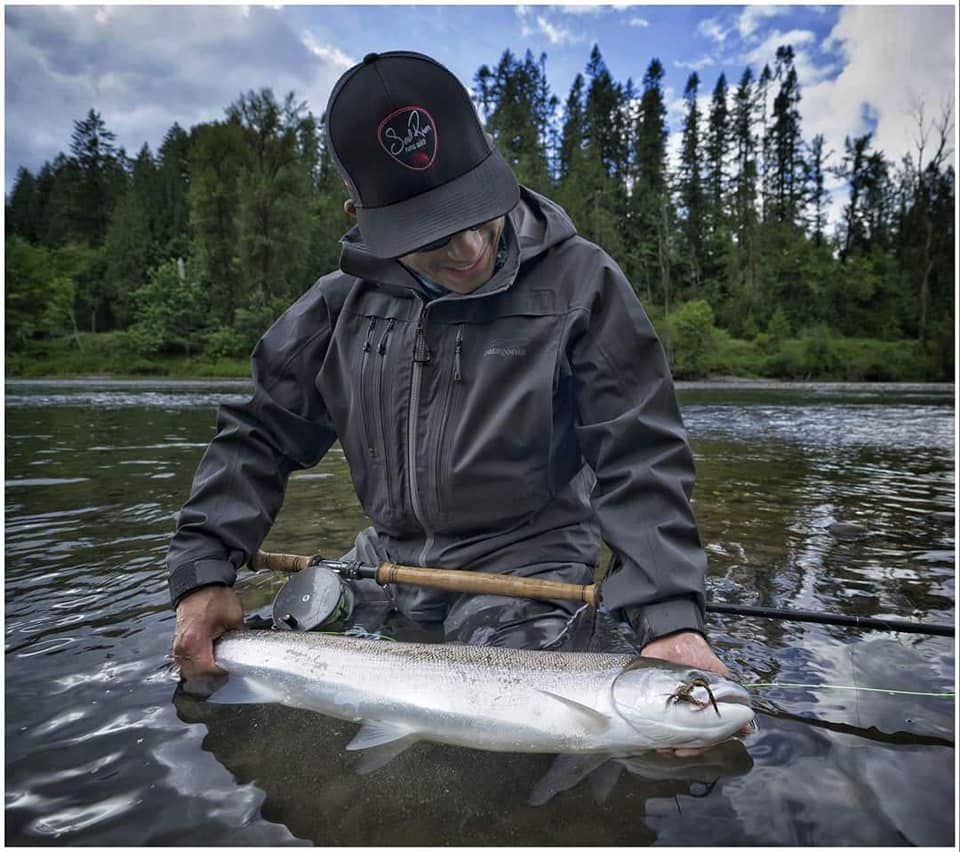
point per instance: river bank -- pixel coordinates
(814, 358)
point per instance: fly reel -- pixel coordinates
(314, 598)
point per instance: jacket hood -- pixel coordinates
(536, 223)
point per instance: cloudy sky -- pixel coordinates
(143, 67)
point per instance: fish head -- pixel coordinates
(673, 706)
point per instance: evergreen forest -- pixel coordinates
(174, 261)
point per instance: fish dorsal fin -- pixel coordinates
(594, 721)
(375, 733)
(240, 689)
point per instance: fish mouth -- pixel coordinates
(731, 693)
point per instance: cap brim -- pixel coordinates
(487, 191)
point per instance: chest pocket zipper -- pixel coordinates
(443, 454)
(364, 363)
(385, 444)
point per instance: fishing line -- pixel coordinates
(852, 688)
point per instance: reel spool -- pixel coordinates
(313, 598)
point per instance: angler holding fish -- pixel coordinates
(503, 403)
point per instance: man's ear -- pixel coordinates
(350, 208)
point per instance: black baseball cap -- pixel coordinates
(404, 134)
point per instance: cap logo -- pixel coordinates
(409, 136)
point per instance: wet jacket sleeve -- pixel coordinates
(239, 486)
(631, 434)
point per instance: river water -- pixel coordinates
(102, 748)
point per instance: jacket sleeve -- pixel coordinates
(239, 485)
(631, 434)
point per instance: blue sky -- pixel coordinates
(144, 67)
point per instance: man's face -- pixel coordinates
(463, 264)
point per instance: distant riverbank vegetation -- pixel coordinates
(174, 262)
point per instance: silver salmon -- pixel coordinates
(498, 699)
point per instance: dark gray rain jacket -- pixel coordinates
(507, 428)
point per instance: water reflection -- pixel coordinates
(441, 795)
(96, 753)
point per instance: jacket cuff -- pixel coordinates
(656, 620)
(191, 576)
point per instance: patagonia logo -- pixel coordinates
(409, 136)
(505, 349)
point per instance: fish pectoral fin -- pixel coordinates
(567, 771)
(375, 733)
(593, 720)
(240, 689)
(603, 779)
(377, 756)
(381, 742)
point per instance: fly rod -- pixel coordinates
(479, 582)
(469, 582)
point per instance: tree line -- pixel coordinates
(197, 247)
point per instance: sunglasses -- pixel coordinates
(439, 244)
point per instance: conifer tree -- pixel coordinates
(717, 146)
(100, 177)
(819, 196)
(276, 194)
(518, 106)
(172, 214)
(785, 143)
(690, 183)
(218, 157)
(649, 201)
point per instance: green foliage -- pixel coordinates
(778, 327)
(170, 311)
(692, 338)
(112, 353)
(128, 253)
(225, 342)
(39, 296)
(276, 193)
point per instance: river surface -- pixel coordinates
(103, 749)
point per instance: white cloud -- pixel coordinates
(534, 23)
(712, 29)
(555, 34)
(696, 65)
(142, 68)
(638, 22)
(894, 59)
(593, 8)
(331, 55)
(584, 10)
(752, 16)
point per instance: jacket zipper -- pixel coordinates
(457, 378)
(387, 469)
(421, 356)
(363, 396)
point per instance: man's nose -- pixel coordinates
(466, 246)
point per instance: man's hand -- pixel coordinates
(689, 649)
(202, 616)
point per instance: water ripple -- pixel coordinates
(73, 819)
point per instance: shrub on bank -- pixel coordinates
(114, 353)
(817, 356)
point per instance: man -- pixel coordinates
(501, 398)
